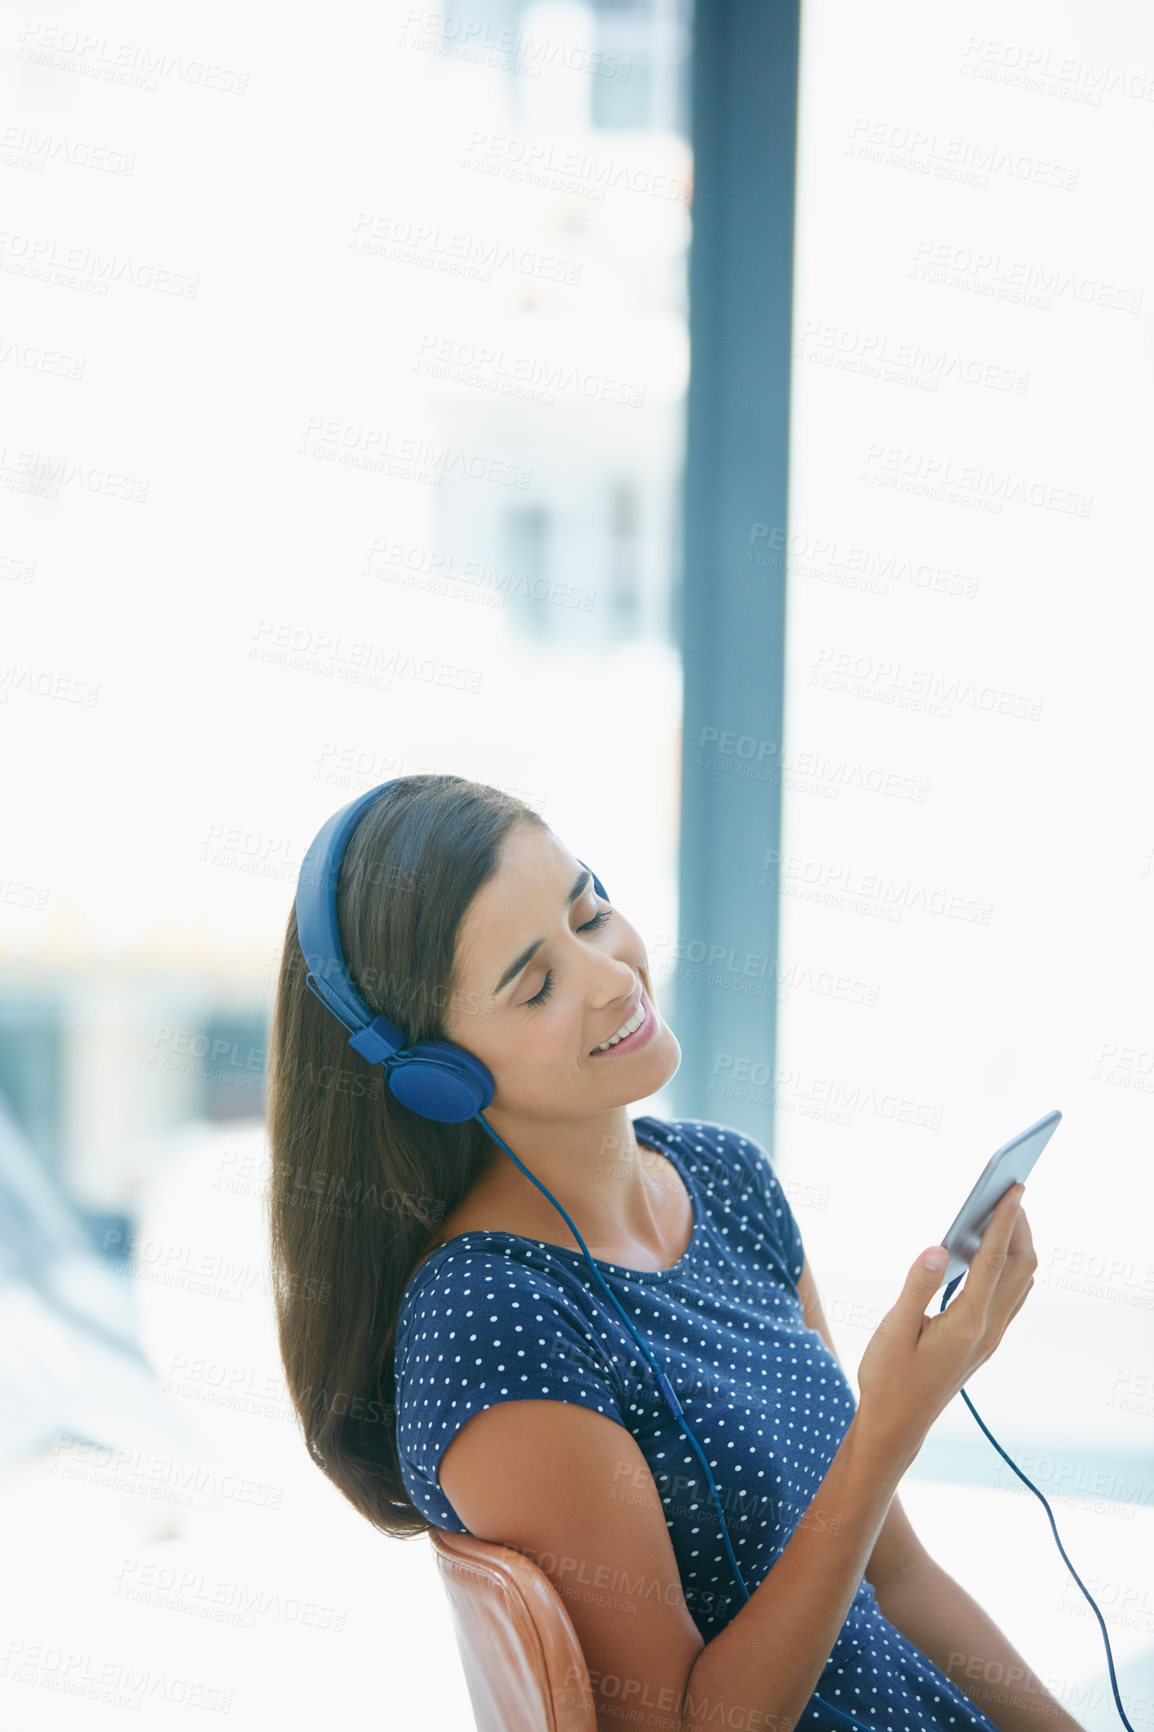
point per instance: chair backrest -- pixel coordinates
(519, 1651)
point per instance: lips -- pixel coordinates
(640, 1034)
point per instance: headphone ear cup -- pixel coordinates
(440, 1081)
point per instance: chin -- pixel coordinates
(664, 1060)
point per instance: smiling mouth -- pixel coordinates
(631, 1026)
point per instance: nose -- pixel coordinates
(620, 983)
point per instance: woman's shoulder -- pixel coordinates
(716, 1150)
(502, 1274)
(453, 1268)
(708, 1132)
(700, 1135)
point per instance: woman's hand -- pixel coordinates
(914, 1365)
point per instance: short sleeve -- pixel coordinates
(482, 1329)
(780, 1217)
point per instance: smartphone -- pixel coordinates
(1009, 1166)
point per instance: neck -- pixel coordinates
(594, 1167)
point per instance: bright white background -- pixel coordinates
(972, 351)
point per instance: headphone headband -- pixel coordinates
(316, 907)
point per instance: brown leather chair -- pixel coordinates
(519, 1651)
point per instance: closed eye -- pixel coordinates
(598, 919)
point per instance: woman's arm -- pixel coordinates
(570, 1488)
(937, 1615)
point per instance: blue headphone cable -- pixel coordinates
(946, 1296)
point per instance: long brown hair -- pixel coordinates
(358, 1184)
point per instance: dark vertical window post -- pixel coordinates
(732, 604)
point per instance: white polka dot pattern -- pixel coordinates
(492, 1317)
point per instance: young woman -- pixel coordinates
(453, 1362)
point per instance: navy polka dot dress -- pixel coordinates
(491, 1317)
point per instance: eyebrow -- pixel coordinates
(583, 878)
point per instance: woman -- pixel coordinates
(452, 1361)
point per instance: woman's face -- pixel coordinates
(537, 1030)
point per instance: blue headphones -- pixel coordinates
(433, 1077)
(443, 1082)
